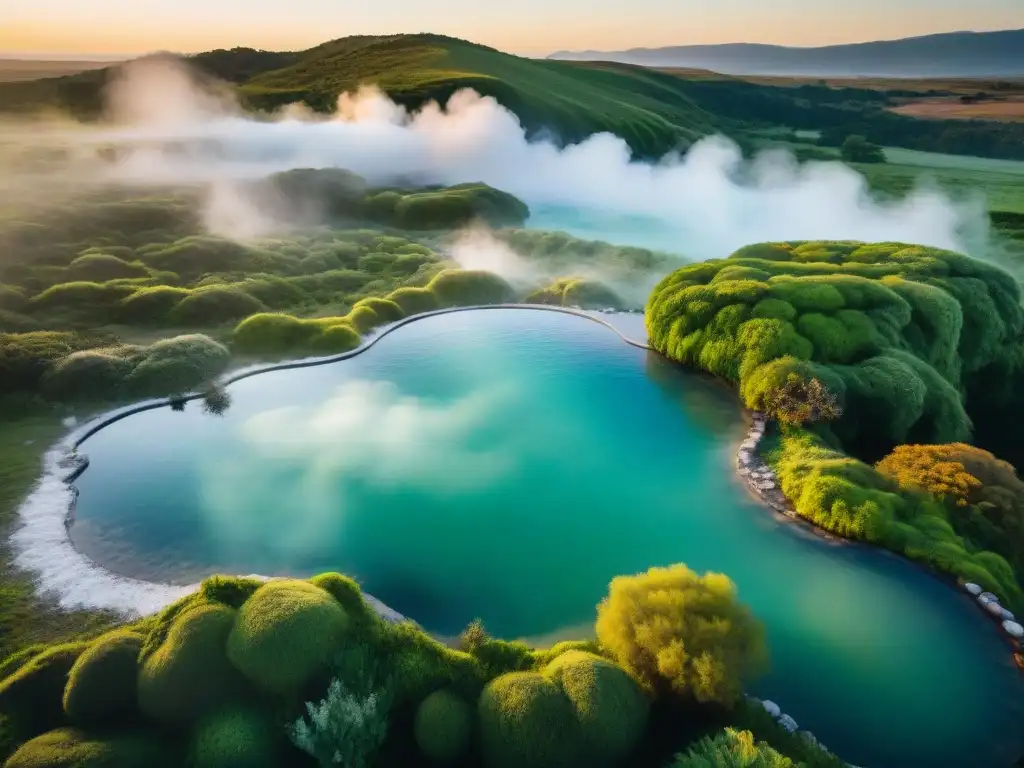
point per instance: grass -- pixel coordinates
(25, 619)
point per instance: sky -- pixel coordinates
(69, 28)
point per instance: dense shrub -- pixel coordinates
(983, 495)
(102, 686)
(678, 631)
(334, 338)
(26, 357)
(197, 255)
(387, 311)
(150, 305)
(98, 302)
(103, 266)
(178, 364)
(575, 292)
(896, 332)
(92, 374)
(466, 287)
(414, 301)
(453, 207)
(72, 748)
(32, 697)
(363, 319)
(443, 727)
(732, 749)
(231, 591)
(285, 634)
(526, 719)
(275, 292)
(12, 299)
(272, 333)
(213, 306)
(611, 710)
(844, 495)
(234, 738)
(188, 675)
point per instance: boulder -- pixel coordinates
(987, 597)
(788, 723)
(1007, 616)
(974, 589)
(772, 708)
(1013, 629)
(995, 609)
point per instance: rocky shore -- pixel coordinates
(757, 473)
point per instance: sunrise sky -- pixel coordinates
(71, 28)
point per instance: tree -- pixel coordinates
(857, 149)
(800, 401)
(678, 632)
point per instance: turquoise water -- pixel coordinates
(506, 464)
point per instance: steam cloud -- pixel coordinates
(703, 204)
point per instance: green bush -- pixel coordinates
(234, 739)
(231, 591)
(343, 728)
(178, 364)
(679, 632)
(387, 311)
(150, 305)
(213, 306)
(98, 302)
(26, 357)
(443, 727)
(611, 710)
(101, 267)
(92, 374)
(335, 339)
(526, 719)
(272, 333)
(414, 301)
(32, 698)
(457, 206)
(467, 287)
(285, 634)
(732, 749)
(102, 687)
(188, 675)
(363, 319)
(71, 748)
(198, 255)
(346, 592)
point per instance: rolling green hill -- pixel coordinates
(655, 112)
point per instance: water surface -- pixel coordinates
(506, 464)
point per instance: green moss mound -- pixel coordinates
(179, 364)
(467, 287)
(188, 675)
(526, 719)
(414, 301)
(234, 739)
(346, 592)
(32, 698)
(897, 332)
(71, 748)
(102, 687)
(363, 319)
(611, 710)
(101, 267)
(443, 727)
(285, 634)
(273, 333)
(386, 310)
(213, 306)
(150, 305)
(95, 373)
(577, 292)
(335, 338)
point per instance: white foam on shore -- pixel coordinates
(42, 547)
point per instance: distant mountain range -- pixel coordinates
(956, 54)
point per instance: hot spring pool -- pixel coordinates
(505, 464)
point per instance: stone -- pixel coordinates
(1007, 616)
(1013, 629)
(810, 737)
(974, 589)
(788, 723)
(987, 597)
(772, 708)
(995, 609)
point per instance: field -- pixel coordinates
(953, 109)
(20, 70)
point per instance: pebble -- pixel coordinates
(974, 589)
(995, 609)
(788, 723)
(1013, 629)
(988, 597)
(772, 708)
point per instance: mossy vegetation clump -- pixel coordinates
(897, 332)
(443, 727)
(73, 748)
(186, 674)
(32, 697)
(577, 292)
(468, 287)
(414, 301)
(286, 633)
(234, 738)
(102, 687)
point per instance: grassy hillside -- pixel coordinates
(654, 111)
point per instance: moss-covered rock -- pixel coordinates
(285, 634)
(234, 739)
(386, 310)
(102, 687)
(577, 292)
(334, 338)
(72, 748)
(213, 306)
(363, 318)
(414, 301)
(443, 727)
(188, 675)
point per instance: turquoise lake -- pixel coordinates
(506, 464)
